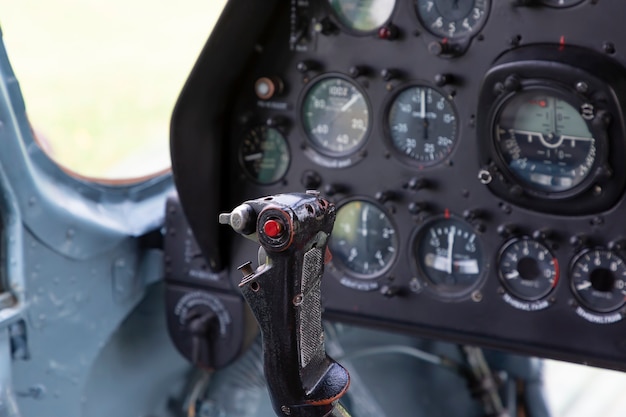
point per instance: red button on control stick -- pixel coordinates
(273, 228)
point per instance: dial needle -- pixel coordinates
(450, 247)
(364, 220)
(349, 103)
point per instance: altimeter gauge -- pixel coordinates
(335, 115)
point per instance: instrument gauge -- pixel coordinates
(544, 140)
(452, 19)
(561, 3)
(362, 16)
(264, 155)
(598, 279)
(449, 257)
(527, 269)
(421, 125)
(364, 242)
(335, 116)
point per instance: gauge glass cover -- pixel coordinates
(264, 154)
(452, 19)
(598, 279)
(364, 242)
(449, 256)
(335, 116)
(363, 16)
(544, 141)
(528, 269)
(422, 125)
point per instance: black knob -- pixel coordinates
(391, 291)
(417, 183)
(416, 207)
(326, 27)
(507, 230)
(439, 48)
(311, 180)
(579, 240)
(389, 74)
(472, 214)
(306, 66)
(332, 189)
(357, 71)
(384, 196)
(512, 83)
(543, 234)
(443, 79)
(276, 121)
(617, 244)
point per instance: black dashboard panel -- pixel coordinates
(475, 154)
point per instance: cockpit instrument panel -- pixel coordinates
(474, 150)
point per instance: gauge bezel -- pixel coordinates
(314, 151)
(512, 291)
(584, 303)
(437, 291)
(341, 23)
(573, 70)
(390, 100)
(560, 92)
(240, 155)
(355, 280)
(556, 6)
(458, 44)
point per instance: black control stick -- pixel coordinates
(284, 294)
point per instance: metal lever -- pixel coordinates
(284, 295)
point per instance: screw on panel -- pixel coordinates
(608, 47)
(477, 296)
(286, 410)
(582, 87)
(297, 300)
(485, 176)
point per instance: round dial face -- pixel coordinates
(336, 116)
(561, 3)
(364, 242)
(264, 154)
(449, 256)
(528, 269)
(452, 18)
(599, 280)
(422, 125)
(544, 141)
(363, 16)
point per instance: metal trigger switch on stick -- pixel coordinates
(284, 294)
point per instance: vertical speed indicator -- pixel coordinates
(421, 125)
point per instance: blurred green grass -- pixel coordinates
(100, 78)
